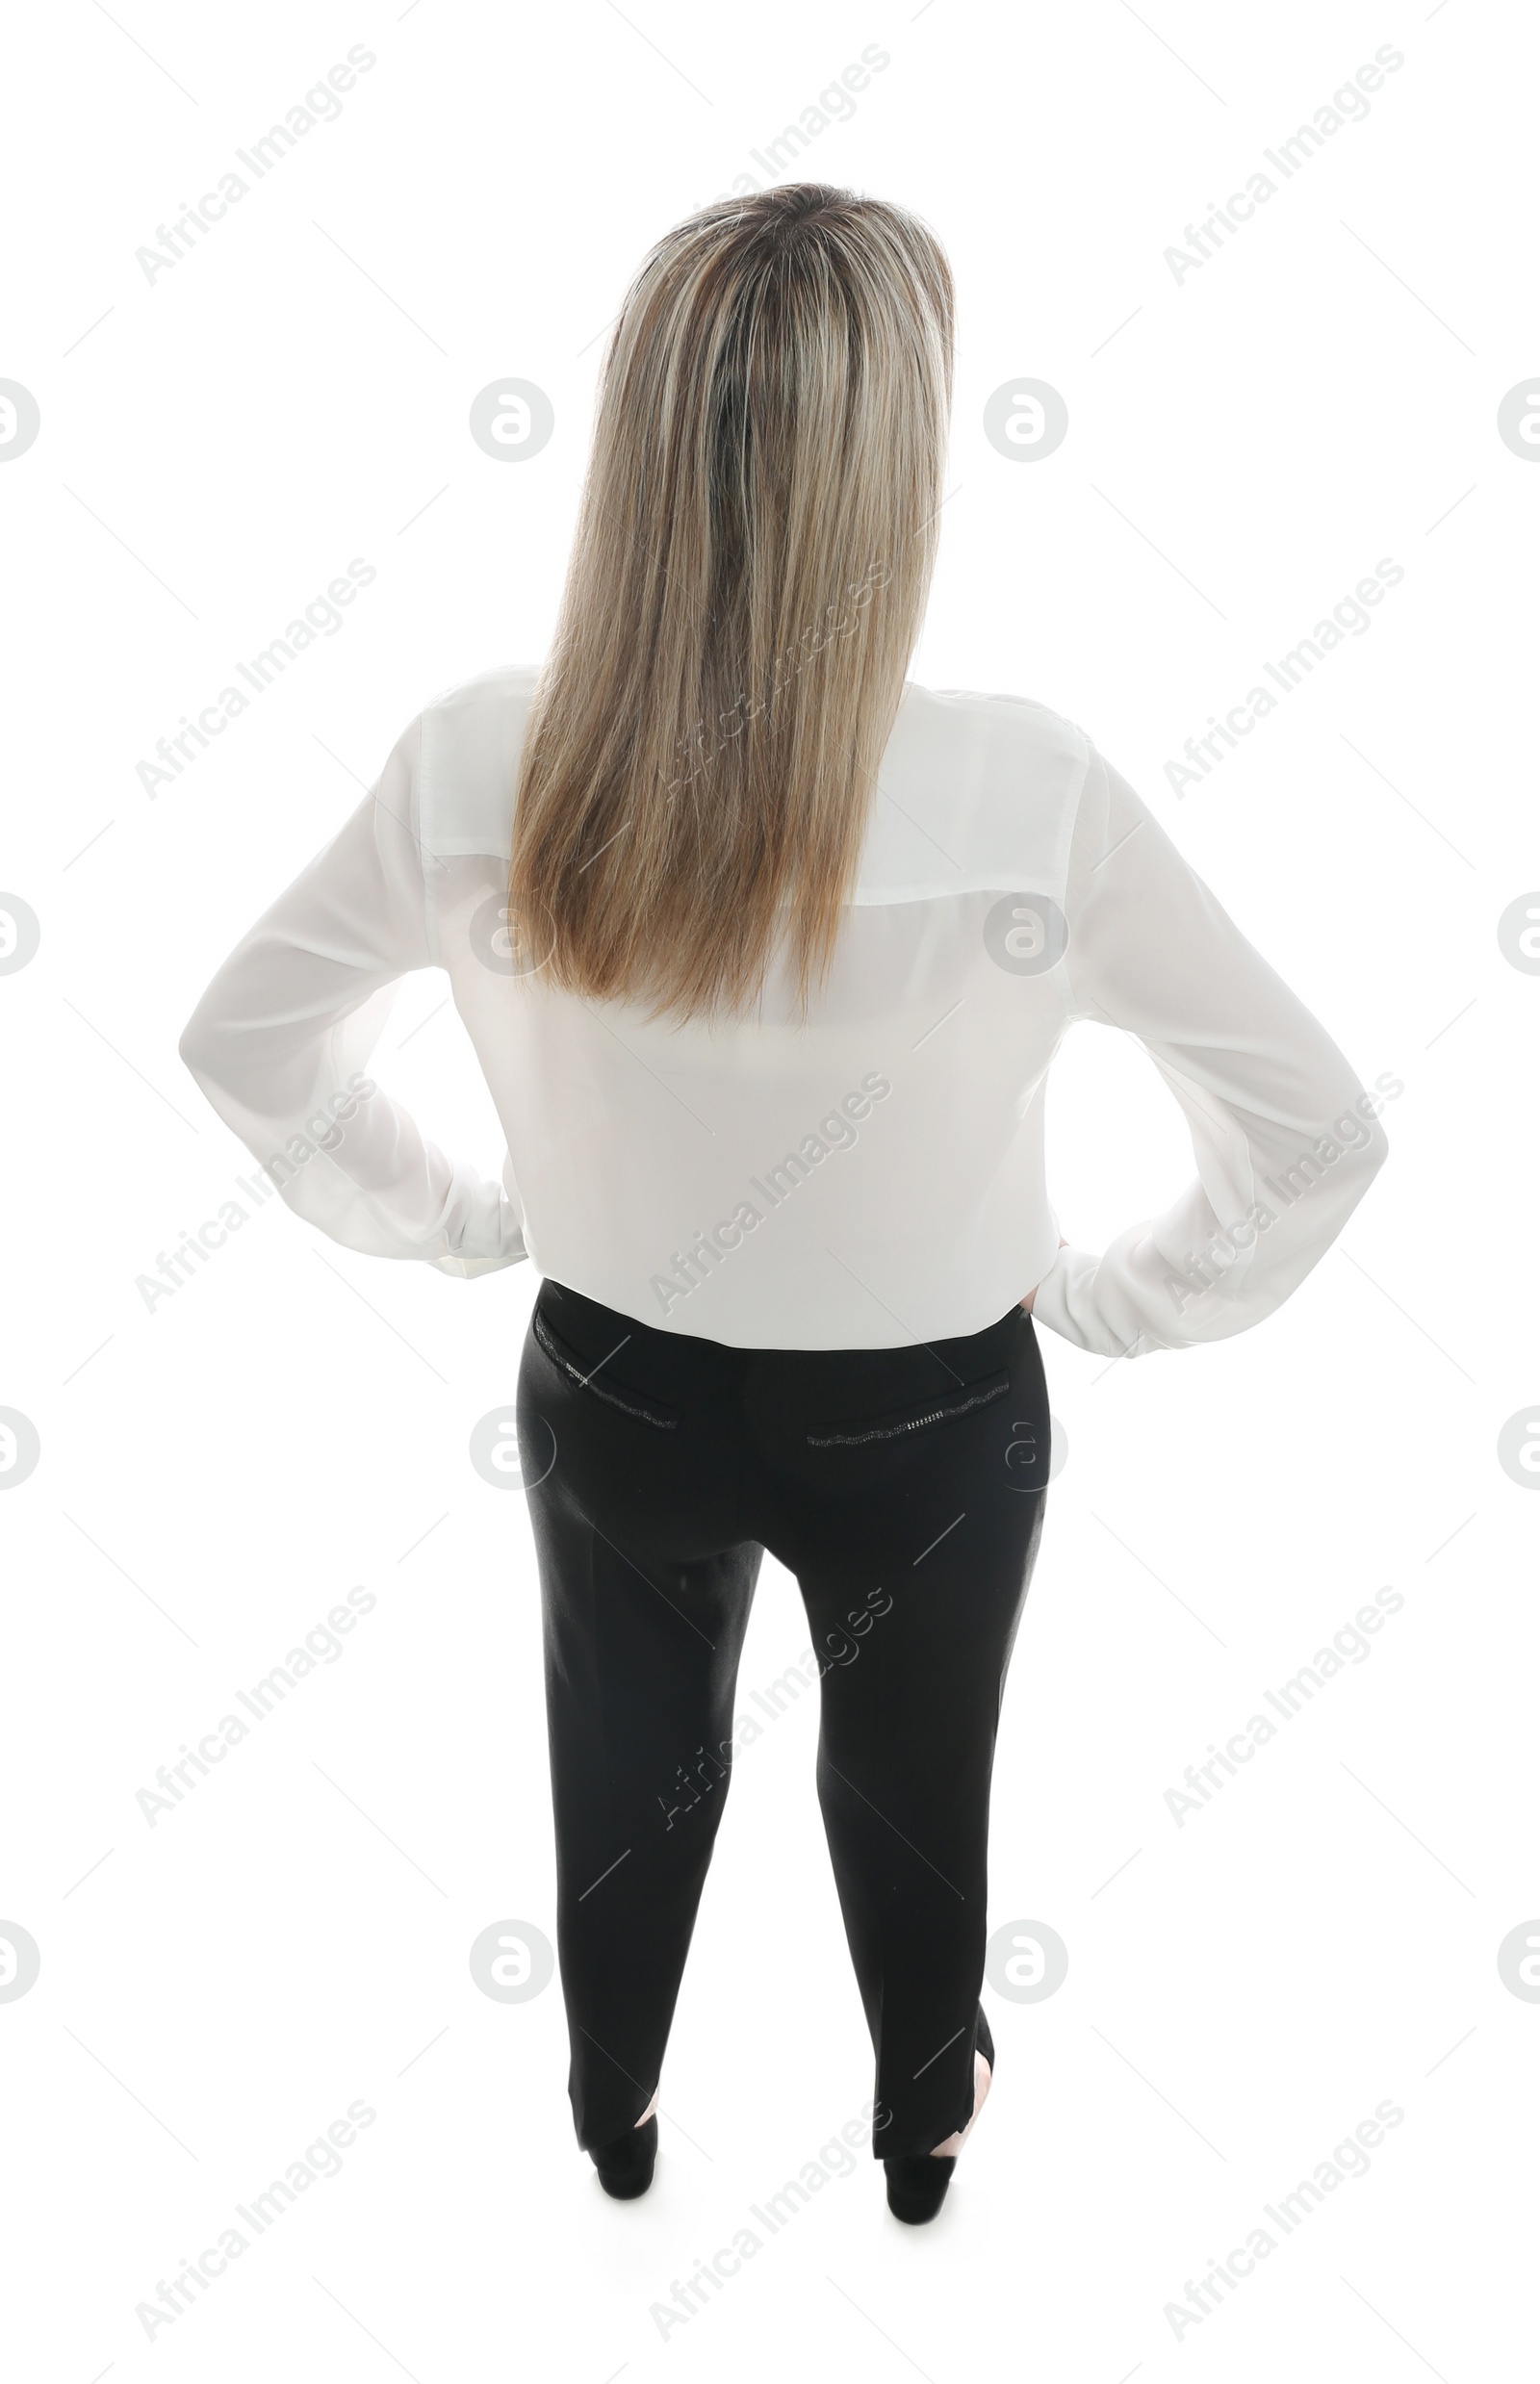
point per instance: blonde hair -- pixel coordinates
(747, 578)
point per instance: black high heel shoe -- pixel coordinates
(918, 2181)
(625, 2165)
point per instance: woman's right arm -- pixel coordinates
(1063, 1244)
(1286, 1138)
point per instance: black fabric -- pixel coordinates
(904, 1490)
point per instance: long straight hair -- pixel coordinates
(747, 576)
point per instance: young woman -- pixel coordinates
(765, 951)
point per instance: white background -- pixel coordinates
(1245, 444)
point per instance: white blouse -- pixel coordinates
(870, 1177)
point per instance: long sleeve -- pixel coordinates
(1286, 1138)
(281, 1041)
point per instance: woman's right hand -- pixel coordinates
(1063, 1244)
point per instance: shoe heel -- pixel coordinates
(916, 2184)
(625, 2165)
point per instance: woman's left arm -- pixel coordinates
(1285, 1137)
(280, 1043)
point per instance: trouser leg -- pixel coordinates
(641, 1657)
(914, 1592)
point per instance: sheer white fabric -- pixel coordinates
(870, 1178)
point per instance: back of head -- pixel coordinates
(747, 578)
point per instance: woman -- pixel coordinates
(765, 950)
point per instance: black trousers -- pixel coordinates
(904, 1490)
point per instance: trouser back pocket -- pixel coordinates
(597, 1381)
(899, 1423)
